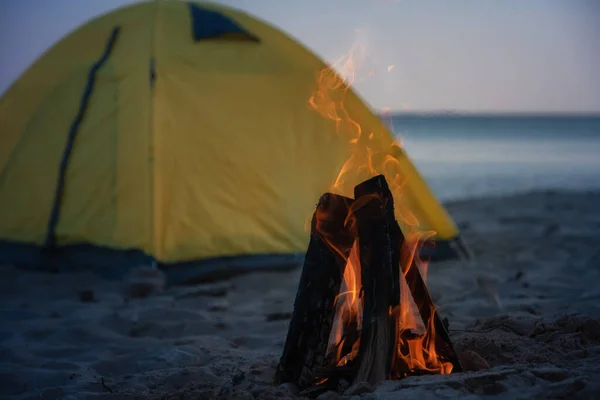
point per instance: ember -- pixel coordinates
(362, 310)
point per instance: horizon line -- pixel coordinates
(480, 113)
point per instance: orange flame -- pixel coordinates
(332, 99)
(348, 309)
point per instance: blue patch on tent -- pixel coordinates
(207, 24)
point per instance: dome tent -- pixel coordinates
(176, 133)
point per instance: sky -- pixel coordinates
(442, 55)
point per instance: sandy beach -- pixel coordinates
(525, 316)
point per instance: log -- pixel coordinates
(373, 361)
(312, 319)
(378, 186)
(416, 283)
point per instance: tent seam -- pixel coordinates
(50, 241)
(152, 147)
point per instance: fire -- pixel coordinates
(348, 310)
(371, 154)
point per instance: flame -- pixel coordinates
(348, 310)
(419, 354)
(371, 154)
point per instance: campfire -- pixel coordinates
(362, 312)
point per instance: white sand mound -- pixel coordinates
(525, 317)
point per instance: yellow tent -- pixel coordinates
(175, 133)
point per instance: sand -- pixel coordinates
(525, 316)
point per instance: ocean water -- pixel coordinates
(472, 156)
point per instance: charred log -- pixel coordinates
(373, 361)
(312, 319)
(416, 284)
(378, 186)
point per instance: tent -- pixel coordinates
(176, 134)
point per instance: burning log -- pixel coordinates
(308, 335)
(375, 248)
(402, 256)
(379, 187)
(371, 341)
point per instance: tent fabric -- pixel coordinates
(182, 151)
(55, 213)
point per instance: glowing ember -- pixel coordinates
(371, 154)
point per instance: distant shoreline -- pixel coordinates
(488, 114)
(521, 195)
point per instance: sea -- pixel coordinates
(466, 156)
